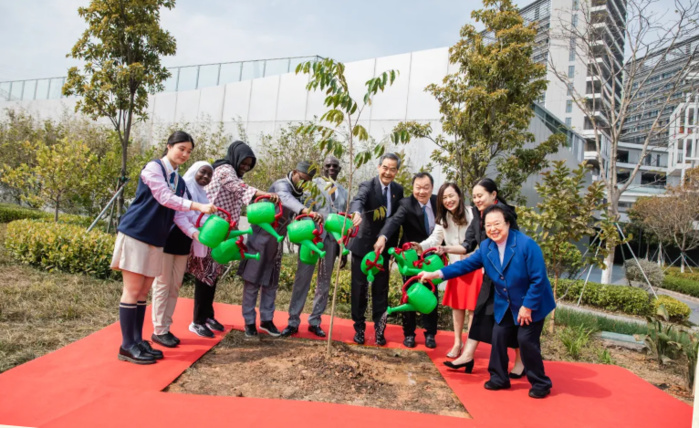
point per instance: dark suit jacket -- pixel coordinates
(409, 215)
(368, 198)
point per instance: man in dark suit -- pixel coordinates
(417, 216)
(378, 192)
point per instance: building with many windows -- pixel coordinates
(683, 139)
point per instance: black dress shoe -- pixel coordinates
(538, 393)
(380, 340)
(156, 353)
(289, 330)
(409, 341)
(315, 329)
(430, 341)
(494, 387)
(167, 340)
(514, 375)
(135, 355)
(468, 366)
(359, 337)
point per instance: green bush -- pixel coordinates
(675, 271)
(653, 271)
(575, 339)
(10, 212)
(681, 285)
(676, 310)
(630, 300)
(64, 247)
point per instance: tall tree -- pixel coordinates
(616, 93)
(121, 50)
(486, 106)
(564, 217)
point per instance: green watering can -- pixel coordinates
(406, 258)
(372, 264)
(305, 233)
(430, 261)
(266, 215)
(215, 229)
(416, 298)
(230, 250)
(338, 223)
(308, 255)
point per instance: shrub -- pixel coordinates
(630, 300)
(59, 246)
(677, 311)
(10, 212)
(575, 339)
(681, 285)
(653, 271)
(675, 271)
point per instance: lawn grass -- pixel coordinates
(595, 322)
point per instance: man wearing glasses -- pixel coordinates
(262, 276)
(383, 194)
(333, 199)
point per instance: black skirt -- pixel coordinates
(484, 316)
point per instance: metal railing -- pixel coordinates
(183, 78)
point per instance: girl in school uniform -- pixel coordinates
(142, 233)
(166, 287)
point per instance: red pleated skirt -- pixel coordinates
(462, 292)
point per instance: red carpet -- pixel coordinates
(83, 384)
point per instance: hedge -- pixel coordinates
(675, 271)
(681, 285)
(630, 300)
(9, 212)
(65, 247)
(677, 311)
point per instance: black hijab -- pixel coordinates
(237, 153)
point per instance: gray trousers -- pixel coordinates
(268, 295)
(302, 283)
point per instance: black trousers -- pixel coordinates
(203, 301)
(529, 339)
(429, 321)
(360, 290)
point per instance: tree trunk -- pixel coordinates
(55, 213)
(553, 313)
(682, 262)
(609, 263)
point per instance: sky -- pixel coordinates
(35, 35)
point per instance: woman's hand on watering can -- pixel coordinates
(273, 197)
(424, 276)
(205, 208)
(356, 219)
(441, 250)
(316, 217)
(195, 236)
(417, 247)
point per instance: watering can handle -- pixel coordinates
(232, 223)
(404, 298)
(353, 230)
(319, 227)
(280, 208)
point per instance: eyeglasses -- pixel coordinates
(495, 225)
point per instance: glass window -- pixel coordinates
(569, 106)
(575, 20)
(576, 4)
(571, 55)
(569, 122)
(571, 71)
(570, 90)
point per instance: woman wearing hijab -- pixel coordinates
(166, 287)
(228, 191)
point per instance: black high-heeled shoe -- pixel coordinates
(468, 366)
(514, 375)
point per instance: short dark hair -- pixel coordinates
(391, 156)
(506, 213)
(423, 175)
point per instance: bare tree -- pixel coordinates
(616, 92)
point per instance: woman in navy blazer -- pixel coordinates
(523, 297)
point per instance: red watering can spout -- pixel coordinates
(280, 210)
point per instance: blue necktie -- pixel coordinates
(425, 219)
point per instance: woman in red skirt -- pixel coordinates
(451, 222)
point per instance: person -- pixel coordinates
(262, 276)
(166, 286)
(142, 233)
(381, 191)
(522, 299)
(461, 293)
(485, 195)
(227, 190)
(416, 215)
(335, 200)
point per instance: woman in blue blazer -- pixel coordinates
(523, 297)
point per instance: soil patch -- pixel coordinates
(298, 369)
